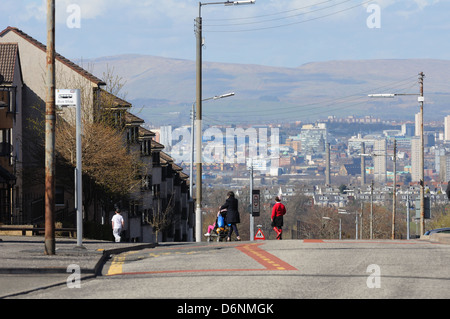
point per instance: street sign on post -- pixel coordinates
(64, 98)
(255, 203)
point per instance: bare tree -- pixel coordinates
(162, 219)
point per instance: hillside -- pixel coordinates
(163, 89)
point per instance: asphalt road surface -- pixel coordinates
(288, 269)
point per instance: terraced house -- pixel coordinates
(145, 182)
(10, 131)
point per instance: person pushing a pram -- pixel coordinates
(219, 228)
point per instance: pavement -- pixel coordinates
(24, 267)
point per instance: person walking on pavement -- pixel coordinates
(278, 211)
(233, 218)
(117, 225)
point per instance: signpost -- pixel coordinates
(72, 98)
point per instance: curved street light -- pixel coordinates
(199, 44)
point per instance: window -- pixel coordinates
(5, 142)
(145, 147)
(132, 134)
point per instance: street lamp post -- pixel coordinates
(199, 43)
(420, 99)
(394, 191)
(192, 135)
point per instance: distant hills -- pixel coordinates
(162, 90)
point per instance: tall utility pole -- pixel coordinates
(394, 190)
(50, 118)
(422, 158)
(252, 219)
(198, 121)
(198, 126)
(191, 169)
(363, 165)
(420, 99)
(371, 209)
(327, 169)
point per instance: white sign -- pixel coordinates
(67, 97)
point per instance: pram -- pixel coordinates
(221, 229)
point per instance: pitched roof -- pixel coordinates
(112, 101)
(156, 146)
(166, 157)
(8, 56)
(132, 119)
(144, 133)
(352, 169)
(58, 57)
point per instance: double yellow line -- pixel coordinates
(117, 263)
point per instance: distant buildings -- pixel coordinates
(408, 129)
(447, 128)
(444, 169)
(415, 159)
(313, 139)
(380, 154)
(417, 121)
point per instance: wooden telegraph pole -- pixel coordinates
(50, 118)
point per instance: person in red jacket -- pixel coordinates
(278, 211)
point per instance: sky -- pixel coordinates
(282, 33)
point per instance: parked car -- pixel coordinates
(445, 230)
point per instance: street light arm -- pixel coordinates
(382, 95)
(390, 95)
(235, 3)
(223, 96)
(216, 97)
(228, 3)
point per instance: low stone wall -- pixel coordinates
(440, 238)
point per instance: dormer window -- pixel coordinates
(132, 134)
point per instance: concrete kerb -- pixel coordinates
(107, 254)
(440, 238)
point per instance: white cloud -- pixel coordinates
(27, 10)
(89, 9)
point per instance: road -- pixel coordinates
(290, 269)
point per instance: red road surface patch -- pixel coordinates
(269, 261)
(313, 241)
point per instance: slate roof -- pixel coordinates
(8, 56)
(144, 133)
(132, 119)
